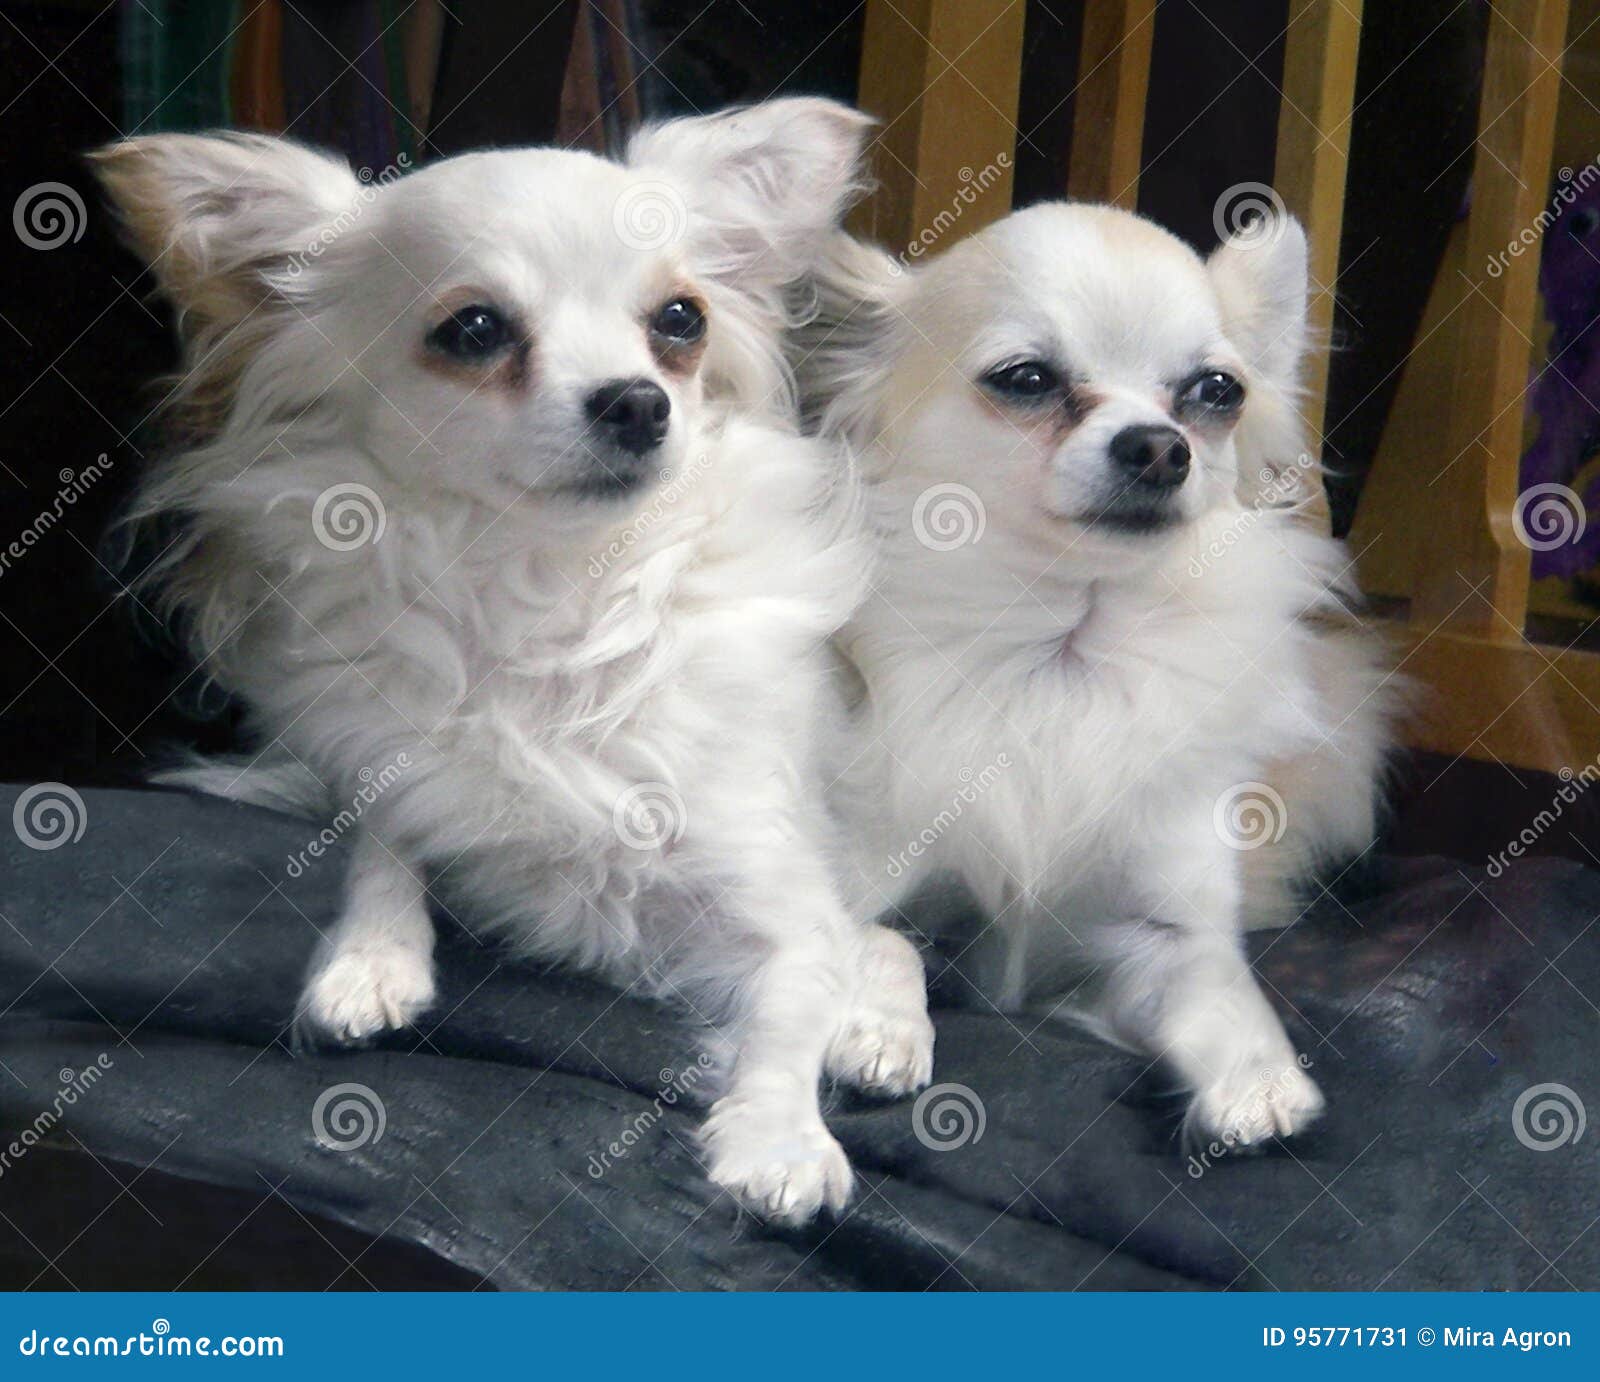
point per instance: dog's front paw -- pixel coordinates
(1257, 1102)
(883, 1053)
(783, 1169)
(362, 992)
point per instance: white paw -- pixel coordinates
(362, 992)
(883, 1053)
(1257, 1102)
(782, 1169)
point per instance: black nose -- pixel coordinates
(630, 412)
(1154, 456)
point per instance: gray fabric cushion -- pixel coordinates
(172, 938)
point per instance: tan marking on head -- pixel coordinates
(680, 361)
(509, 371)
(1048, 424)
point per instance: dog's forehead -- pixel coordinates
(553, 216)
(1108, 289)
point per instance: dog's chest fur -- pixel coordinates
(1080, 724)
(589, 723)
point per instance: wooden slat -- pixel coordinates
(1109, 101)
(256, 82)
(942, 76)
(1484, 698)
(1319, 85)
(1471, 543)
(423, 32)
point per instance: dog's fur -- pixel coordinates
(1083, 699)
(606, 688)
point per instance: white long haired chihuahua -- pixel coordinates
(487, 472)
(1104, 657)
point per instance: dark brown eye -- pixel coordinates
(1215, 392)
(1030, 379)
(681, 322)
(473, 333)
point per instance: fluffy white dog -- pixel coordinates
(487, 472)
(1104, 658)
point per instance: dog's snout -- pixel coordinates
(1151, 455)
(632, 413)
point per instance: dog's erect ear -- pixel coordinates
(219, 217)
(763, 183)
(1260, 277)
(847, 336)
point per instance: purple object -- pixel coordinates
(1564, 393)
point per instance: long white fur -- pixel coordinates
(609, 709)
(1065, 716)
